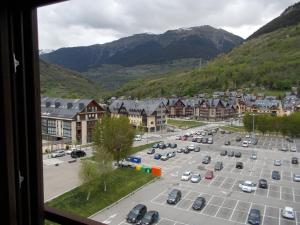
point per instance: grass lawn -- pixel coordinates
(234, 128)
(141, 147)
(185, 123)
(121, 182)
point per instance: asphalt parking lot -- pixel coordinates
(226, 203)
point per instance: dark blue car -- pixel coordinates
(157, 156)
(254, 217)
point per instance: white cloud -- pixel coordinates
(78, 22)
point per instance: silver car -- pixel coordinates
(196, 177)
(277, 162)
(296, 177)
(58, 153)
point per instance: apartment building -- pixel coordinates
(69, 119)
(149, 114)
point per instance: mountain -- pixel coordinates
(289, 17)
(269, 61)
(60, 82)
(203, 42)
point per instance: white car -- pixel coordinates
(191, 147)
(277, 162)
(288, 212)
(247, 136)
(177, 137)
(296, 177)
(58, 153)
(69, 151)
(138, 137)
(245, 144)
(248, 186)
(293, 148)
(186, 176)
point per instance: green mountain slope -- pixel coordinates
(59, 82)
(112, 77)
(271, 61)
(289, 17)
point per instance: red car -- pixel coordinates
(209, 174)
(183, 138)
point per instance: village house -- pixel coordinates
(150, 114)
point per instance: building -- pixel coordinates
(149, 114)
(72, 120)
(214, 110)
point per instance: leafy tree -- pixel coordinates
(89, 175)
(114, 135)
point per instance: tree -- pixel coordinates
(89, 175)
(114, 135)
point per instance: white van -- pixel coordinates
(138, 137)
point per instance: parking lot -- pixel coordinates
(225, 202)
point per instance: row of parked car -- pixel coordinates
(254, 216)
(73, 152)
(140, 215)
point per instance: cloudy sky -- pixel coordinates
(87, 22)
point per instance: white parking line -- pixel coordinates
(233, 210)
(264, 216)
(248, 213)
(279, 215)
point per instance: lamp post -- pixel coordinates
(253, 137)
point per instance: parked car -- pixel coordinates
(210, 140)
(174, 196)
(275, 175)
(173, 145)
(293, 148)
(191, 147)
(196, 177)
(253, 155)
(204, 140)
(157, 156)
(296, 177)
(238, 138)
(245, 144)
(136, 214)
(70, 150)
(206, 159)
(239, 165)
(180, 150)
(151, 151)
(209, 174)
(230, 154)
(254, 141)
(151, 217)
(247, 186)
(197, 149)
(162, 146)
(78, 153)
(288, 213)
(254, 217)
(294, 160)
(227, 143)
(199, 203)
(171, 154)
(138, 137)
(155, 145)
(277, 162)
(289, 139)
(263, 183)
(186, 151)
(238, 154)
(186, 176)
(222, 131)
(223, 153)
(284, 148)
(164, 157)
(218, 165)
(58, 153)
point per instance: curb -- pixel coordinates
(126, 196)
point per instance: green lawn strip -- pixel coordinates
(132, 151)
(234, 128)
(141, 147)
(185, 123)
(121, 182)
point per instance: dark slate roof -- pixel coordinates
(135, 106)
(62, 108)
(266, 104)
